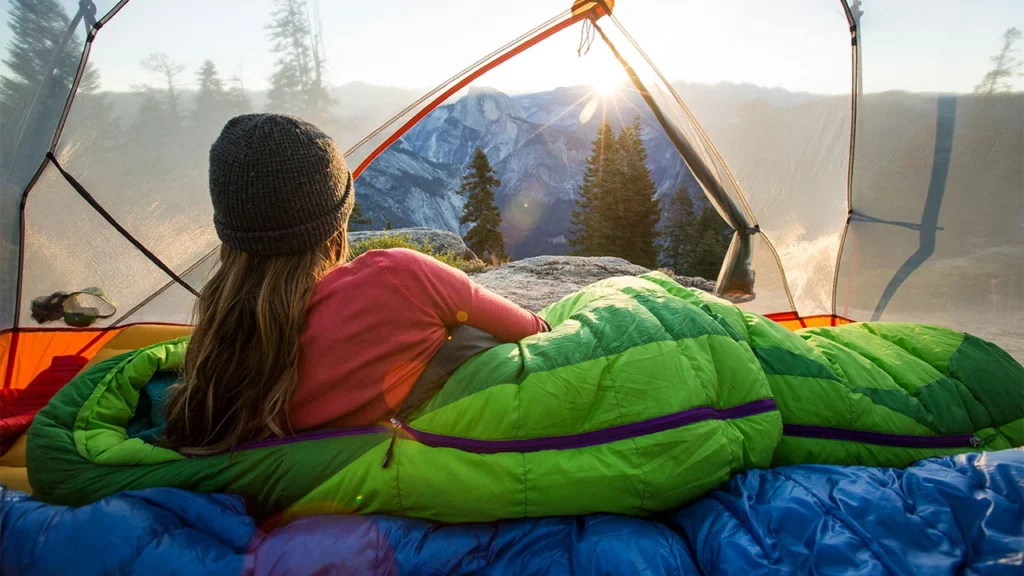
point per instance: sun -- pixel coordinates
(604, 84)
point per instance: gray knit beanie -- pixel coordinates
(279, 185)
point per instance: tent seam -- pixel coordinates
(98, 208)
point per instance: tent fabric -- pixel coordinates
(28, 353)
(866, 203)
(798, 519)
(18, 407)
(647, 394)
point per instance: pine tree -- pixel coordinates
(357, 217)
(679, 231)
(36, 77)
(146, 147)
(211, 95)
(711, 237)
(91, 139)
(387, 223)
(1006, 66)
(318, 99)
(297, 85)
(478, 185)
(707, 256)
(591, 232)
(238, 100)
(289, 31)
(159, 63)
(636, 237)
(214, 104)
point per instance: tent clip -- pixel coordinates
(88, 10)
(756, 229)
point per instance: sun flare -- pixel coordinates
(604, 84)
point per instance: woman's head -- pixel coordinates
(281, 197)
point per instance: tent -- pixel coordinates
(876, 201)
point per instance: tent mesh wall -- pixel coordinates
(937, 229)
(924, 225)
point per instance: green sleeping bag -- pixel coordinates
(644, 396)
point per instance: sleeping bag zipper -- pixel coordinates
(567, 442)
(594, 437)
(395, 425)
(882, 439)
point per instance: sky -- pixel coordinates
(799, 45)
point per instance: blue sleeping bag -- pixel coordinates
(955, 515)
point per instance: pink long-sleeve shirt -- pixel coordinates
(372, 326)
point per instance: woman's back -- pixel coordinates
(374, 324)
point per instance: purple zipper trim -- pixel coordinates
(595, 437)
(899, 440)
(582, 440)
(315, 435)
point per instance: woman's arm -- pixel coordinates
(455, 298)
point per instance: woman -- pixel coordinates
(288, 336)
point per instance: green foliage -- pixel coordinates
(388, 241)
(214, 103)
(590, 233)
(34, 85)
(617, 213)
(638, 207)
(167, 71)
(679, 231)
(387, 223)
(1005, 66)
(478, 184)
(296, 85)
(358, 218)
(696, 237)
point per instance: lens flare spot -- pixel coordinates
(523, 211)
(589, 109)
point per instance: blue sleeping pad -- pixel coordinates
(955, 515)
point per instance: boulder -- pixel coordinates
(533, 283)
(440, 240)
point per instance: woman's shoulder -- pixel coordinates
(396, 253)
(383, 260)
(395, 256)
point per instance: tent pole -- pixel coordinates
(736, 268)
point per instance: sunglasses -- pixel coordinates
(78, 309)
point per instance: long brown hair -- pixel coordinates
(240, 366)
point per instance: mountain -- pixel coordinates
(410, 190)
(538, 144)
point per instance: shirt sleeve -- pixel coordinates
(454, 298)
